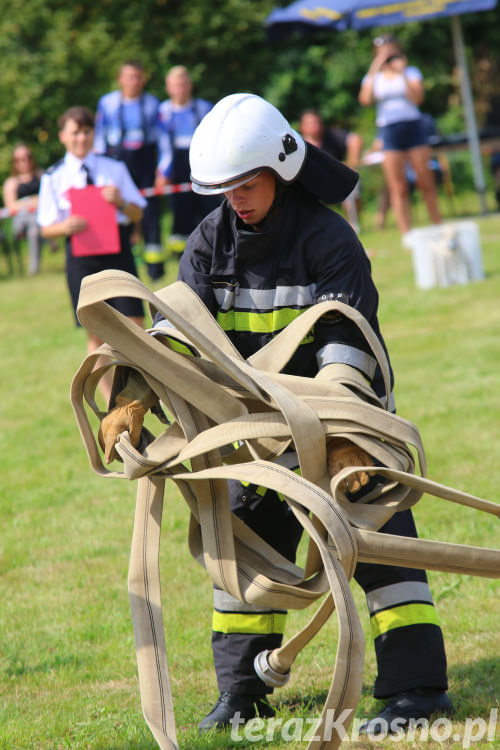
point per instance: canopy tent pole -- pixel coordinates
(470, 117)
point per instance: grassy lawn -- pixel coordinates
(67, 658)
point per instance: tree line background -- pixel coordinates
(57, 54)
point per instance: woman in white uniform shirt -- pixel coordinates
(78, 168)
(397, 90)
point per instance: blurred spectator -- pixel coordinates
(492, 130)
(79, 168)
(438, 164)
(127, 129)
(495, 171)
(179, 117)
(397, 90)
(20, 195)
(344, 145)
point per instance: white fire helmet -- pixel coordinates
(239, 137)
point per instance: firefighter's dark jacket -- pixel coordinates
(255, 283)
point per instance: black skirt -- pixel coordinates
(77, 268)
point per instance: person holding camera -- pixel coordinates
(396, 89)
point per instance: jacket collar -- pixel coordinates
(74, 164)
(239, 245)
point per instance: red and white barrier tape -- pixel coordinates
(182, 187)
(149, 192)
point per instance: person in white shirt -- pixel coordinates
(397, 90)
(81, 167)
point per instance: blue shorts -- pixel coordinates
(402, 136)
(495, 161)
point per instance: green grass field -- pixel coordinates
(67, 658)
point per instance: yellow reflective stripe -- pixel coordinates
(400, 617)
(176, 244)
(257, 322)
(236, 622)
(258, 490)
(154, 255)
(176, 346)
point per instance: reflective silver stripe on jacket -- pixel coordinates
(347, 355)
(398, 593)
(265, 299)
(288, 459)
(162, 324)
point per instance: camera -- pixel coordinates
(391, 58)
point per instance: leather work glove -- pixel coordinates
(341, 453)
(132, 403)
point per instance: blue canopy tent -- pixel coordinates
(340, 15)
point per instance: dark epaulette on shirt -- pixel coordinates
(53, 167)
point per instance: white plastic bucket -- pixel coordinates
(445, 254)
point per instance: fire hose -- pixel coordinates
(230, 418)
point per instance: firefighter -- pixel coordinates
(267, 253)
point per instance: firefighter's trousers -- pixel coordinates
(408, 639)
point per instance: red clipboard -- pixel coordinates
(101, 237)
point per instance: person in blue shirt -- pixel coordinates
(179, 117)
(126, 128)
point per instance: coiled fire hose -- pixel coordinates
(217, 400)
